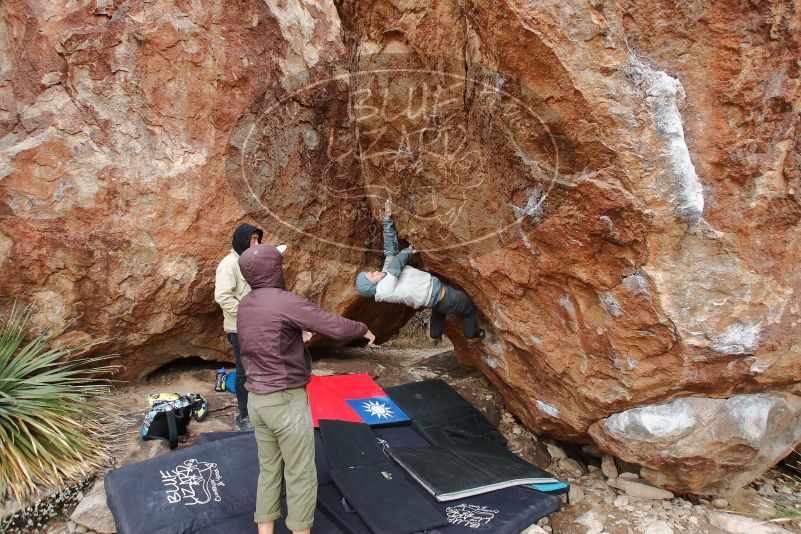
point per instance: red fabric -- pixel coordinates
(327, 395)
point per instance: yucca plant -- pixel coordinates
(51, 429)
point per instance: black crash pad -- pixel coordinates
(460, 471)
(155, 495)
(185, 490)
(441, 415)
(243, 524)
(506, 511)
(330, 500)
(320, 460)
(374, 486)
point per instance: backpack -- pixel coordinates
(169, 414)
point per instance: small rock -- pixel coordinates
(572, 467)
(720, 504)
(738, 524)
(576, 494)
(692, 519)
(516, 430)
(768, 490)
(630, 476)
(626, 467)
(93, 512)
(588, 518)
(621, 501)
(658, 527)
(638, 489)
(608, 466)
(534, 529)
(51, 78)
(555, 451)
(71, 527)
(594, 469)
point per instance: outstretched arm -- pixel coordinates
(306, 316)
(390, 235)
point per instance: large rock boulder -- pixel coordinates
(703, 445)
(614, 183)
(114, 125)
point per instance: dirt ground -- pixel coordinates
(593, 502)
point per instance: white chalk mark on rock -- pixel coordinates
(739, 338)
(664, 94)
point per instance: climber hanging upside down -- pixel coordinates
(399, 283)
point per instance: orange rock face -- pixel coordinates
(614, 183)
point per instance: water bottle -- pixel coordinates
(219, 381)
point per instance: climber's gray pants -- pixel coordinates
(455, 302)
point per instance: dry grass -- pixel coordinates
(414, 334)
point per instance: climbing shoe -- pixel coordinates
(480, 336)
(243, 423)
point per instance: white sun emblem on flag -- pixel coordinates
(378, 409)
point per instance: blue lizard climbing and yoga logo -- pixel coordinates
(426, 133)
(192, 482)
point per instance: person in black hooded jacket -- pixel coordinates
(229, 288)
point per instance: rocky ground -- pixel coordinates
(606, 495)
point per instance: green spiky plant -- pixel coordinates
(51, 429)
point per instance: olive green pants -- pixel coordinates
(285, 439)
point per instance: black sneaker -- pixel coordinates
(243, 423)
(480, 336)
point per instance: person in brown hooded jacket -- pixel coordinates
(270, 322)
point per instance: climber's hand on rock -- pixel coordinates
(388, 208)
(370, 337)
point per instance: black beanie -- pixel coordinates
(241, 240)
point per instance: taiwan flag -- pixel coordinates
(355, 398)
(377, 410)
